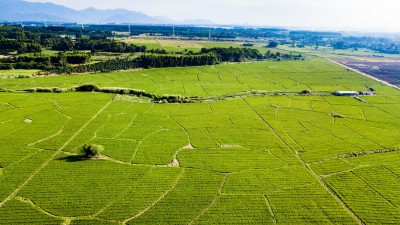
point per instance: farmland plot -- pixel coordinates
(314, 75)
(230, 160)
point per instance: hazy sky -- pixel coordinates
(371, 15)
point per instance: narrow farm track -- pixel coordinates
(120, 195)
(142, 140)
(270, 209)
(32, 204)
(372, 188)
(157, 201)
(126, 128)
(66, 220)
(162, 46)
(344, 171)
(319, 179)
(51, 136)
(390, 171)
(185, 130)
(15, 192)
(213, 201)
(358, 154)
(334, 135)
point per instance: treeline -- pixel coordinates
(145, 61)
(44, 62)
(246, 54)
(33, 40)
(106, 66)
(234, 54)
(20, 47)
(97, 45)
(160, 61)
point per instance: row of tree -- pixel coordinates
(145, 61)
(245, 54)
(234, 54)
(107, 45)
(44, 62)
(206, 57)
(160, 61)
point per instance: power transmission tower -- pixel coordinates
(129, 28)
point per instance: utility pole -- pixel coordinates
(173, 31)
(129, 28)
(209, 34)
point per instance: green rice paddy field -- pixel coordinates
(243, 160)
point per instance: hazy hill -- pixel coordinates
(19, 10)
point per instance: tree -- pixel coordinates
(62, 59)
(339, 45)
(92, 150)
(268, 54)
(273, 44)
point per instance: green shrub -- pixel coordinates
(92, 150)
(87, 88)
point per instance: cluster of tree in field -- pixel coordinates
(278, 56)
(44, 62)
(144, 61)
(234, 54)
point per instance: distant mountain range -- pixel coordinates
(19, 10)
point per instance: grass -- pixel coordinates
(151, 44)
(181, 46)
(5, 74)
(237, 158)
